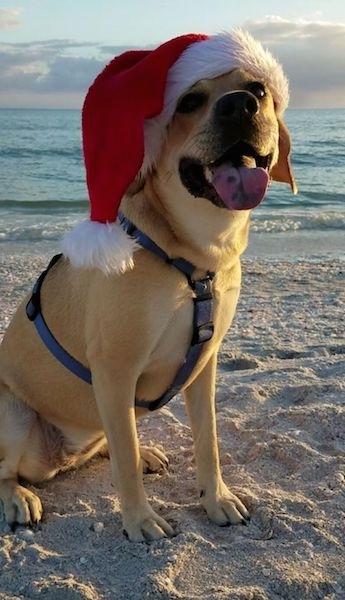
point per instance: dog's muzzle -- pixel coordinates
(239, 177)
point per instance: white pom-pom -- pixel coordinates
(104, 246)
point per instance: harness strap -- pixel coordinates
(202, 332)
(146, 242)
(34, 313)
(202, 319)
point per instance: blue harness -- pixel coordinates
(202, 319)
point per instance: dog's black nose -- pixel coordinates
(237, 105)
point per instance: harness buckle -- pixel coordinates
(202, 288)
(203, 326)
(202, 333)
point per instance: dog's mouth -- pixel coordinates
(236, 180)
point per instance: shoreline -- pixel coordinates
(281, 423)
(291, 246)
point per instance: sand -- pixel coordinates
(280, 403)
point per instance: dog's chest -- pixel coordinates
(174, 342)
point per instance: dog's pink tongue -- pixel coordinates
(240, 188)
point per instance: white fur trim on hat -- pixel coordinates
(105, 246)
(209, 58)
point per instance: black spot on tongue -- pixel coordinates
(240, 188)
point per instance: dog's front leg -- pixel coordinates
(221, 505)
(115, 400)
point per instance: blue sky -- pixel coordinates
(140, 22)
(50, 50)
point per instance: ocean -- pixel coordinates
(43, 191)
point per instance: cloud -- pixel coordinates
(42, 71)
(69, 74)
(116, 50)
(10, 17)
(312, 53)
(49, 67)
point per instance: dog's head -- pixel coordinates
(225, 142)
(199, 118)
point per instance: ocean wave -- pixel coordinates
(276, 199)
(29, 152)
(34, 228)
(41, 206)
(322, 221)
(306, 200)
(36, 232)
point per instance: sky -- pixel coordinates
(51, 50)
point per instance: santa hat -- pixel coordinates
(124, 120)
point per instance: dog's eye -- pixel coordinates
(190, 102)
(258, 89)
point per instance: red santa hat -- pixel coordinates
(124, 120)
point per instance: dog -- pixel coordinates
(223, 129)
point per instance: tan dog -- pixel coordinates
(49, 419)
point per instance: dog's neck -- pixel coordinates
(213, 239)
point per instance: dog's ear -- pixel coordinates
(282, 170)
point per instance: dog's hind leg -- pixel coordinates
(153, 460)
(22, 454)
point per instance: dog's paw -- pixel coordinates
(153, 460)
(146, 527)
(20, 505)
(225, 508)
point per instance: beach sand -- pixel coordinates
(280, 404)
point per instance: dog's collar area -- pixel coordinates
(145, 241)
(202, 319)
